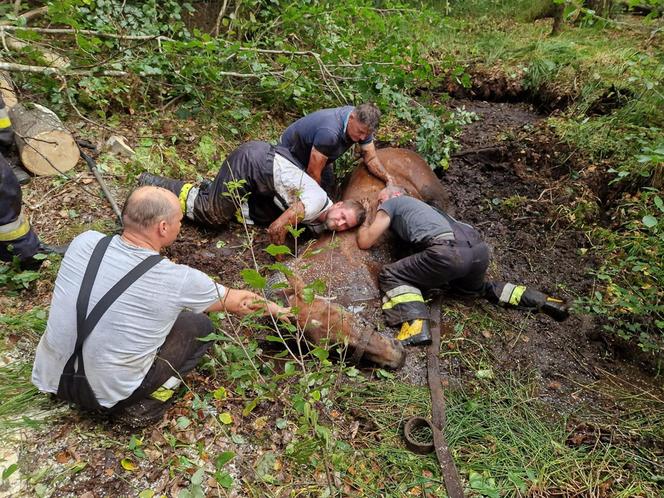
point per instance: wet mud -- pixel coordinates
(508, 180)
(513, 190)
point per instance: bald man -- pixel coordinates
(124, 322)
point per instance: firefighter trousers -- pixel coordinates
(462, 265)
(17, 238)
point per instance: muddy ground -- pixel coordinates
(511, 180)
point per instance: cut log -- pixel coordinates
(45, 146)
(7, 90)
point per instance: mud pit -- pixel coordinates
(507, 180)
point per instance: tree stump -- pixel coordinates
(45, 146)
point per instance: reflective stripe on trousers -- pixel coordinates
(15, 229)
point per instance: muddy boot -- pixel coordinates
(174, 186)
(415, 333)
(49, 249)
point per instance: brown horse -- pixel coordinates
(350, 274)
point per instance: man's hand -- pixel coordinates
(281, 313)
(277, 230)
(242, 302)
(277, 233)
(270, 308)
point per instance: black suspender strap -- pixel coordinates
(74, 385)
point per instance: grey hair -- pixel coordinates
(144, 208)
(369, 115)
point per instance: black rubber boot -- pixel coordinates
(415, 333)
(159, 181)
(49, 249)
(555, 308)
(21, 175)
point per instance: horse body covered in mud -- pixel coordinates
(350, 274)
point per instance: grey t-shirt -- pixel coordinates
(122, 347)
(413, 220)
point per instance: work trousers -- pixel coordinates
(215, 205)
(17, 238)
(459, 264)
(245, 177)
(180, 353)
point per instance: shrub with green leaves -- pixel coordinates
(631, 299)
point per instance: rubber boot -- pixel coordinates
(21, 175)
(49, 249)
(555, 308)
(415, 333)
(174, 186)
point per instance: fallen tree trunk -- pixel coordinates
(51, 58)
(45, 146)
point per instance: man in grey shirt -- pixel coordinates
(444, 252)
(148, 337)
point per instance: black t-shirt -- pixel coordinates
(325, 130)
(413, 220)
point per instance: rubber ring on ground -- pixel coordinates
(411, 426)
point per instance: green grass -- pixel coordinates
(505, 443)
(21, 403)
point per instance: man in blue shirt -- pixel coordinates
(319, 138)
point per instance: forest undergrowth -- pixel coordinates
(186, 87)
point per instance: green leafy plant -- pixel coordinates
(15, 278)
(631, 298)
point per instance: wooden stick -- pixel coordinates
(24, 68)
(222, 13)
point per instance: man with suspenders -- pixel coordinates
(124, 322)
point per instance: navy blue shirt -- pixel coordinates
(325, 130)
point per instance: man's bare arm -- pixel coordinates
(374, 165)
(242, 302)
(317, 162)
(368, 234)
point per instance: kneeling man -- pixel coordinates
(125, 323)
(445, 252)
(265, 183)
